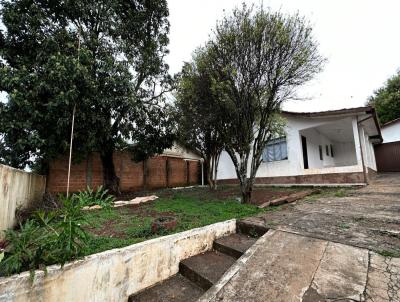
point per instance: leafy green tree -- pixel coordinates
(259, 58)
(197, 115)
(105, 57)
(386, 100)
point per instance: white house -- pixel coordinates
(391, 131)
(330, 147)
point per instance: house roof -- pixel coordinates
(395, 121)
(365, 109)
(368, 110)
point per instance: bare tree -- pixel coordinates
(258, 58)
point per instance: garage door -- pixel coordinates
(388, 157)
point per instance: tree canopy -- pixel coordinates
(106, 57)
(386, 100)
(198, 112)
(258, 58)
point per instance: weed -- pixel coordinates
(344, 226)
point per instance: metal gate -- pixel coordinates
(388, 157)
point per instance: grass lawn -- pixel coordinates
(118, 227)
(194, 207)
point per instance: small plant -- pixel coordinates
(344, 226)
(340, 193)
(45, 239)
(91, 197)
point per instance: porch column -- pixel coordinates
(357, 143)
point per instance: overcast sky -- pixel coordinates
(360, 39)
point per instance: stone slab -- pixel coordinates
(383, 279)
(341, 275)
(280, 269)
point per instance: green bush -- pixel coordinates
(45, 239)
(91, 197)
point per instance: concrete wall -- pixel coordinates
(17, 189)
(391, 132)
(116, 274)
(345, 158)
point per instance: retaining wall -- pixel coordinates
(116, 274)
(17, 189)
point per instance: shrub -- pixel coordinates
(45, 239)
(91, 197)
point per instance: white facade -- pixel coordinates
(391, 132)
(347, 135)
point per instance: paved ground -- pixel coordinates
(289, 267)
(368, 218)
(323, 250)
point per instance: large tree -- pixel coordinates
(386, 100)
(259, 58)
(104, 57)
(198, 113)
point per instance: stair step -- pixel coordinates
(252, 226)
(206, 269)
(175, 289)
(234, 245)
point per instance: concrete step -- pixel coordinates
(252, 226)
(234, 245)
(175, 289)
(206, 269)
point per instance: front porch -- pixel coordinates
(332, 147)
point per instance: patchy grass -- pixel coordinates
(329, 192)
(392, 254)
(118, 227)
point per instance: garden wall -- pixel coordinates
(116, 274)
(153, 173)
(17, 189)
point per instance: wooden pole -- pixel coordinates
(70, 148)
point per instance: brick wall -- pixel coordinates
(156, 172)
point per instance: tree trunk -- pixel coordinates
(110, 179)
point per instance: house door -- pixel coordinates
(305, 154)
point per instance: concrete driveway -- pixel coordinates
(331, 249)
(368, 218)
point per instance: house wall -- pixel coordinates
(17, 189)
(367, 149)
(391, 133)
(344, 153)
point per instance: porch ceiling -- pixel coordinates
(340, 131)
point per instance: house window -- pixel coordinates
(275, 150)
(321, 155)
(327, 150)
(331, 150)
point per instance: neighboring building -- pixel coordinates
(330, 147)
(388, 153)
(391, 131)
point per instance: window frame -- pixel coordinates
(276, 141)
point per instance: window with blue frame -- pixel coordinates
(275, 150)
